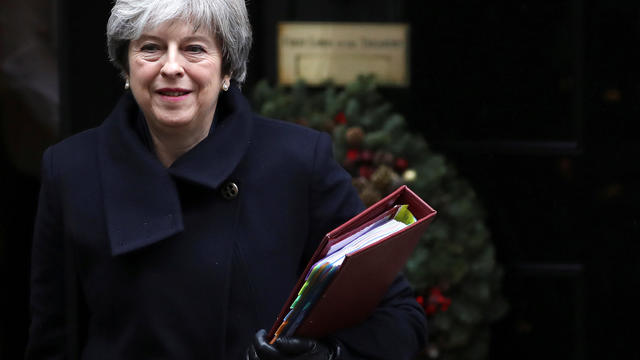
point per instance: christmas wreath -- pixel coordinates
(453, 269)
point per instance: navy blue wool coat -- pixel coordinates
(164, 267)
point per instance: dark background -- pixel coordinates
(535, 101)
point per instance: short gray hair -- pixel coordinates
(226, 19)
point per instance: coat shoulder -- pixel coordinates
(81, 140)
(288, 137)
(283, 128)
(286, 140)
(75, 154)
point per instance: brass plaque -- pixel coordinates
(317, 52)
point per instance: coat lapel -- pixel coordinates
(140, 198)
(213, 160)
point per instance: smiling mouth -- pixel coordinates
(173, 93)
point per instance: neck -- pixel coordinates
(170, 144)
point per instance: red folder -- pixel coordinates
(365, 276)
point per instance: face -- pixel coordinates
(175, 74)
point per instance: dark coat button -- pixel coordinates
(229, 190)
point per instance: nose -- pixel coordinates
(172, 66)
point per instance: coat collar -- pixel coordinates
(141, 202)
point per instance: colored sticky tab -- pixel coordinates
(278, 332)
(295, 302)
(404, 215)
(304, 287)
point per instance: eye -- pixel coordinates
(195, 49)
(150, 47)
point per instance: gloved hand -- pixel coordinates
(291, 348)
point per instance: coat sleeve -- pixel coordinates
(397, 328)
(47, 339)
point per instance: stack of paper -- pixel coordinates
(323, 271)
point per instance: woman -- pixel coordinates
(188, 218)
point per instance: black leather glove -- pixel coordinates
(290, 348)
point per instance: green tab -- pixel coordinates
(304, 287)
(404, 215)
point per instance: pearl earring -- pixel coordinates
(126, 84)
(225, 85)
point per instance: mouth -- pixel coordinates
(170, 92)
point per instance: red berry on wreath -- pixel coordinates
(351, 159)
(353, 155)
(437, 300)
(401, 164)
(340, 118)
